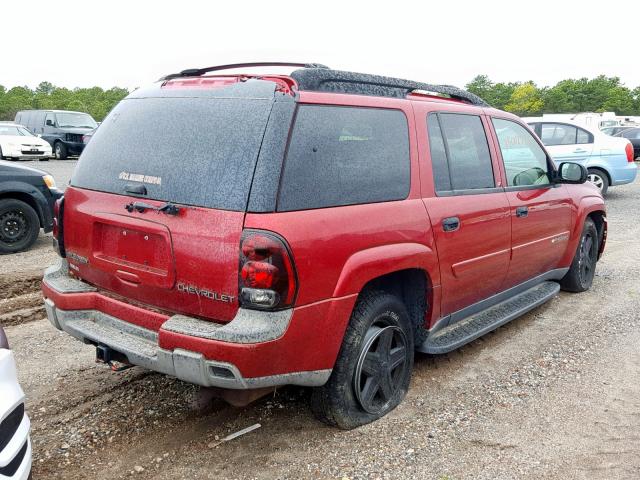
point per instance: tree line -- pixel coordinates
(95, 100)
(600, 94)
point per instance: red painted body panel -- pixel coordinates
(540, 239)
(198, 247)
(473, 259)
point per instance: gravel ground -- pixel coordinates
(553, 394)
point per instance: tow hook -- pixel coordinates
(116, 360)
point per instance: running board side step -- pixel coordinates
(476, 325)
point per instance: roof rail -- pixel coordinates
(196, 72)
(326, 80)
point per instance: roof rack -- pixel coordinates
(196, 72)
(326, 80)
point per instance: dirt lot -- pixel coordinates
(554, 394)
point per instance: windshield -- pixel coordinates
(14, 130)
(66, 120)
(192, 151)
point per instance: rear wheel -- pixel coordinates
(583, 268)
(599, 179)
(60, 151)
(19, 226)
(373, 370)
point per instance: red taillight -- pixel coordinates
(629, 151)
(58, 230)
(259, 274)
(267, 277)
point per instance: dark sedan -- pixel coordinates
(630, 133)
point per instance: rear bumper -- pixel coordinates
(256, 349)
(624, 174)
(74, 148)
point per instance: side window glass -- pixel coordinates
(583, 136)
(467, 150)
(525, 162)
(558, 134)
(49, 120)
(345, 156)
(438, 155)
(632, 133)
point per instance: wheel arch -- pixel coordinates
(599, 217)
(591, 206)
(413, 287)
(602, 169)
(28, 197)
(409, 270)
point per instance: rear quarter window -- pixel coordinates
(345, 156)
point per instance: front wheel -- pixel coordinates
(599, 179)
(19, 226)
(583, 268)
(60, 151)
(373, 370)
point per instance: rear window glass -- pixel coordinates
(345, 156)
(192, 151)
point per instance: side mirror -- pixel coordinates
(50, 123)
(569, 172)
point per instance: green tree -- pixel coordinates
(619, 100)
(495, 94)
(525, 100)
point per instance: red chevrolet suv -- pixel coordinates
(247, 231)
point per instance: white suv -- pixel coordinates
(15, 446)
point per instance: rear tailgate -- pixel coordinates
(186, 263)
(195, 150)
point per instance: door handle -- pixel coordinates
(579, 150)
(450, 224)
(522, 211)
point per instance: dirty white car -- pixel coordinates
(15, 445)
(18, 143)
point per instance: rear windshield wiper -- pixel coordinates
(141, 207)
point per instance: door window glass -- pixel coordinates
(558, 134)
(467, 152)
(525, 162)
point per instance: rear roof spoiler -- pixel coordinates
(196, 72)
(320, 78)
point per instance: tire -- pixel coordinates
(583, 268)
(364, 384)
(60, 151)
(19, 226)
(599, 179)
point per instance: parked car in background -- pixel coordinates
(62, 129)
(18, 143)
(27, 196)
(609, 160)
(399, 220)
(630, 133)
(15, 445)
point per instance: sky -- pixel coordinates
(132, 43)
